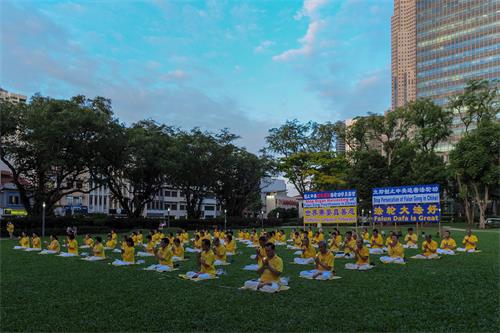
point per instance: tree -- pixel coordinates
(47, 145)
(476, 161)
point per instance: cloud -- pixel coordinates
(263, 46)
(175, 75)
(309, 9)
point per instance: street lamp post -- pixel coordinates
(262, 219)
(43, 219)
(225, 220)
(168, 217)
(278, 215)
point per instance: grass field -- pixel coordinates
(453, 294)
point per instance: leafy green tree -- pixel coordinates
(47, 145)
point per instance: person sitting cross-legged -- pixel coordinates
(362, 258)
(411, 240)
(220, 253)
(97, 251)
(324, 264)
(128, 252)
(308, 253)
(376, 242)
(448, 244)
(230, 245)
(72, 247)
(470, 241)
(395, 250)
(348, 247)
(54, 246)
(177, 250)
(206, 261)
(270, 271)
(429, 248)
(165, 257)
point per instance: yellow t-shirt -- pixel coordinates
(89, 242)
(365, 253)
(388, 240)
(221, 253)
(98, 250)
(73, 246)
(185, 236)
(325, 259)
(241, 234)
(36, 243)
(128, 253)
(263, 254)
(10, 227)
(111, 243)
(309, 252)
(114, 237)
(338, 239)
(150, 246)
(231, 246)
(350, 244)
(178, 251)
(471, 238)
(448, 244)
(208, 258)
(310, 234)
(134, 239)
(411, 239)
(377, 242)
(366, 236)
(166, 255)
(139, 238)
(297, 241)
(54, 246)
(396, 251)
(267, 276)
(24, 241)
(334, 246)
(432, 247)
(197, 244)
(247, 235)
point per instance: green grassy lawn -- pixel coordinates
(48, 293)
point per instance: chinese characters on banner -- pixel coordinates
(330, 207)
(416, 203)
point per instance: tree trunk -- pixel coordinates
(469, 212)
(482, 203)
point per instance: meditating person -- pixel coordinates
(334, 243)
(24, 242)
(411, 240)
(470, 241)
(297, 242)
(324, 262)
(184, 236)
(362, 258)
(97, 251)
(270, 272)
(377, 243)
(10, 229)
(140, 237)
(448, 244)
(88, 242)
(72, 247)
(308, 253)
(196, 244)
(149, 247)
(388, 240)
(206, 261)
(128, 254)
(53, 247)
(230, 245)
(241, 234)
(110, 242)
(219, 252)
(177, 250)
(396, 252)
(260, 252)
(429, 248)
(366, 236)
(348, 247)
(36, 243)
(164, 255)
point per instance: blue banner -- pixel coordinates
(416, 203)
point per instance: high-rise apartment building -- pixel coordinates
(439, 45)
(11, 97)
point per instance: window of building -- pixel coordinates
(174, 194)
(13, 200)
(210, 208)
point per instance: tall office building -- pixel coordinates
(439, 45)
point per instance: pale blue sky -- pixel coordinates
(245, 65)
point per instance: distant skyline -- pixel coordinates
(244, 65)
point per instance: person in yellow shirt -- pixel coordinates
(429, 248)
(270, 272)
(219, 252)
(318, 237)
(362, 258)
(177, 250)
(149, 247)
(24, 242)
(241, 234)
(53, 247)
(165, 256)
(334, 243)
(184, 236)
(388, 241)
(260, 253)
(348, 247)
(310, 233)
(128, 254)
(110, 243)
(282, 237)
(377, 243)
(97, 251)
(366, 236)
(140, 237)
(10, 229)
(196, 245)
(36, 243)
(114, 236)
(230, 245)
(470, 241)
(396, 252)
(72, 247)
(448, 244)
(324, 262)
(297, 242)
(88, 242)
(411, 240)
(308, 253)
(206, 261)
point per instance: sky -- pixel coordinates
(243, 65)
